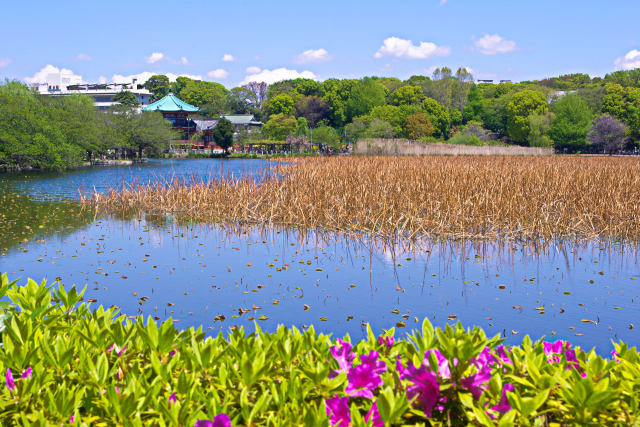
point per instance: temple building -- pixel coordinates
(177, 112)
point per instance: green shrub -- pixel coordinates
(67, 363)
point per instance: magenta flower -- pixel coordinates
(221, 420)
(443, 363)
(11, 385)
(553, 350)
(503, 406)
(173, 398)
(117, 391)
(172, 353)
(117, 349)
(28, 373)
(337, 410)
(365, 377)
(501, 351)
(343, 356)
(615, 356)
(424, 388)
(477, 382)
(386, 341)
(72, 419)
(373, 416)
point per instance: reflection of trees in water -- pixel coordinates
(22, 218)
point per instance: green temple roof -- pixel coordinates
(170, 103)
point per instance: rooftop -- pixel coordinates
(170, 103)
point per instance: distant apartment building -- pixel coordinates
(60, 84)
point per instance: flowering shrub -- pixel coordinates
(66, 363)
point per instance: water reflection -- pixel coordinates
(219, 276)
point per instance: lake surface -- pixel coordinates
(219, 277)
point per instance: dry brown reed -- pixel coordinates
(524, 198)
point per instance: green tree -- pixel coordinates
(379, 129)
(240, 100)
(326, 135)
(418, 126)
(474, 106)
(142, 132)
(521, 106)
(158, 85)
(438, 115)
(539, 124)
(302, 127)
(126, 98)
(571, 121)
(407, 95)
(223, 133)
(281, 104)
(210, 95)
(365, 94)
(280, 126)
(336, 92)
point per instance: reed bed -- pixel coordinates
(523, 198)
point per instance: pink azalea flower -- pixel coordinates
(11, 385)
(552, 350)
(117, 349)
(501, 351)
(555, 350)
(28, 373)
(373, 416)
(386, 341)
(173, 398)
(343, 356)
(503, 406)
(72, 419)
(365, 377)
(615, 356)
(443, 364)
(424, 388)
(221, 420)
(337, 410)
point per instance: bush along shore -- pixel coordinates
(67, 363)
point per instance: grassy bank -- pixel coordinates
(527, 198)
(68, 363)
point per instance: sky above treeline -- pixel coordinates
(233, 42)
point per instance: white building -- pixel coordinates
(60, 84)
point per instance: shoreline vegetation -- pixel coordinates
(519, 198)
(66, 362)
(572, 113)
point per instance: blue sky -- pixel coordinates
(497, 39)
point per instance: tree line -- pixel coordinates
(60, 132)
(573, 113)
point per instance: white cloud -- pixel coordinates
(253, 70)
(184, 60)
(218, 73)
(83, 57)
(313, 55)
(55, 76)
(630, 61)
(144, 76)
(228, 57)
(155, 57)
(401, 48)
(492, 44)
(4, 62)
(102, 80)
(272, 76)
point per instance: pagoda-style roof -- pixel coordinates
(241, 119)
(170, 103)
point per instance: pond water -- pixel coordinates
(219, 277)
